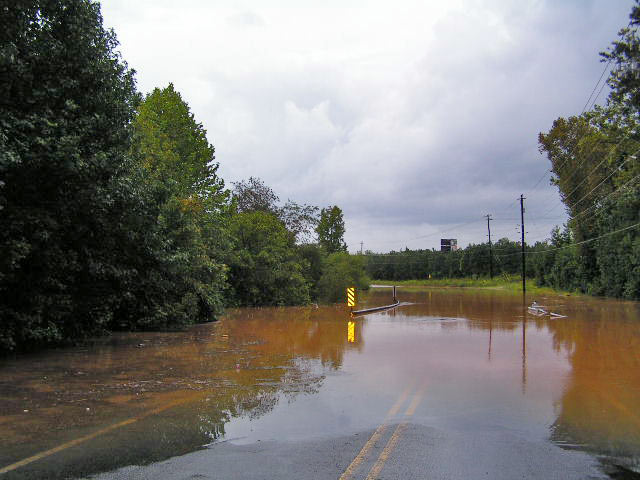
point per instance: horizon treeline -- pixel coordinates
(113, 214)
(472, 261)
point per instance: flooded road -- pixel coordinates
(452, 384)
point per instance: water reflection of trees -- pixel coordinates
(477, 306)
(599, 408)
(242, 366)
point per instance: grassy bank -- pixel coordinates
(497, 283)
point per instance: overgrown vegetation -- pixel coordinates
(112, 211)
(508, 283)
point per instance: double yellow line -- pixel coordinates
(393, 440)
(79, 440)
(375, 470)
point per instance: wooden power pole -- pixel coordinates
(488, 215)
(524, 271)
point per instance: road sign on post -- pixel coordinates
(351, 297)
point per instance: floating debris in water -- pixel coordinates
(540, 311)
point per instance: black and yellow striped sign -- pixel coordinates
(351, 297)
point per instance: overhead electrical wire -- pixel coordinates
(608, 177)
(604, 198)
(587, 105)
(547, 172)
(595, 87)
(434, 233)
(566, 197)
(629, 227)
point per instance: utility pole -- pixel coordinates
(488, 215)
(361, 243)
(524, 272)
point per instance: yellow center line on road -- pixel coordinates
(391, 444)
(376, 435)
(384, 455)
(77, 441)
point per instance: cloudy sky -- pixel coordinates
(416, 118)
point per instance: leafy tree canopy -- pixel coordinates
(594, 159)
(178, 163)
(300, 219)
(67, 102)
(265, 268)
(330, 230)
(624, 53)
(171, 145)
(342, 270)
(253, 195)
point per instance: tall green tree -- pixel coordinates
(624, 54)
(594, 160)
(67, 102)
(342, 270)
(265, 267)
(300, 219)
(330, 230)
(253, 195)
(172, 148)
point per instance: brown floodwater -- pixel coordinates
(300, 372)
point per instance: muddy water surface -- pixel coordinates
(289, 374)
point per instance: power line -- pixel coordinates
(607, 178)
(576, 243)
(448, 230)
(604, 70)
(552, 208)
(515, 253)
(575, 168)
(603, 199)
(434, 233)
(566, 197)
(596, 86)
(547, 172)
(596, 97)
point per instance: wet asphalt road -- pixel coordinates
(420, 453)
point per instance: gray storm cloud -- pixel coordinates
(412, 119)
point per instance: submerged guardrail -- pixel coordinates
(351, 302)
(374, 309)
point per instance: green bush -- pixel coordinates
(264, 266)
(341, 271)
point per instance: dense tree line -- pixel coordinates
(472, 261)
(594, 160)
(113, 214)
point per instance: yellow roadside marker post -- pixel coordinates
(351, 297)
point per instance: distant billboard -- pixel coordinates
(448, 244)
